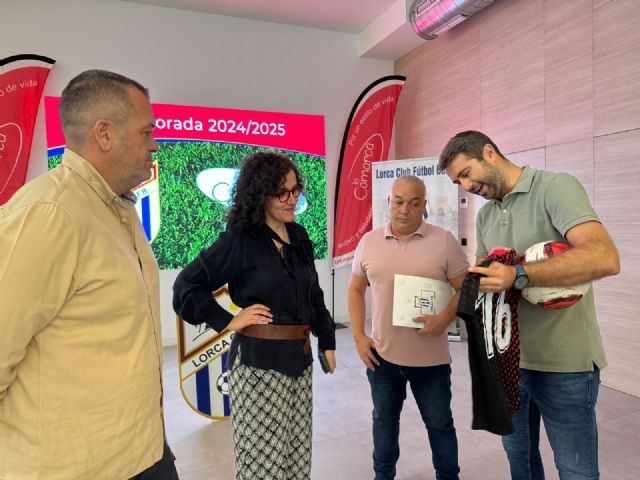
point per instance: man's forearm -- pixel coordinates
(357, 311)
(578, 265)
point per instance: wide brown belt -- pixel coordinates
(279, 332)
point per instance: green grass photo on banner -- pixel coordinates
(190, 221)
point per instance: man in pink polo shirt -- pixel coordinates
(394, 355)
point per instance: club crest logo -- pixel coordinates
(148, 204)
(426, 302)
(202, 357)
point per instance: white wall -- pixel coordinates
(193, 58)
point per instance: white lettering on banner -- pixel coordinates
(359, 233)
(188, 124)
(365, 115)
(362, 183)
(28, 83)
(361, 190)
(497, 325)
(13, 87)
(364, 224)
(347, 241)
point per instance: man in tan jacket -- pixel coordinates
(80, 350)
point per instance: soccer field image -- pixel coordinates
(191, 220)
(182, 206)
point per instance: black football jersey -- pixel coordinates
(494, 348)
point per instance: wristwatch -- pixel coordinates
(522, 279)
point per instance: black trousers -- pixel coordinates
(163, 469)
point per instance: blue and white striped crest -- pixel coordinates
(202, 354)
(148, 204)
(206, 389)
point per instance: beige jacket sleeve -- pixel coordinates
(39, 249)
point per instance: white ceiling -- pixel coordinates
(381, 24)
(349, 16)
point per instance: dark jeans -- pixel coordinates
(163, 469)
(566, 403)
(431, 387)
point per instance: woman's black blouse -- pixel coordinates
(249, 262)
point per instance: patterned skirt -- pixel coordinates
(271, 418)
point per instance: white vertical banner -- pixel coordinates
(442, 194)
(442, 198)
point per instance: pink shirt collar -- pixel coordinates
(422, 231)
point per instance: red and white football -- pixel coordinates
(551, 298)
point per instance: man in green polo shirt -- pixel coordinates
(562, 352)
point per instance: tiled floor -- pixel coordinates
(342, 430)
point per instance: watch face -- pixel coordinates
(521, 283)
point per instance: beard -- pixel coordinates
(493, 181)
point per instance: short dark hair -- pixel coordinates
(261, 175)
(91, 95)
(470, 143)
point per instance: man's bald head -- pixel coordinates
(413, 180)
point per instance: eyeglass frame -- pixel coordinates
(289, 193)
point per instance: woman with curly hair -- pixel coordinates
(267, 261)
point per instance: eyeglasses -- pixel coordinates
(284, 195)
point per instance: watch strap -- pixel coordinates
(520, 273)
